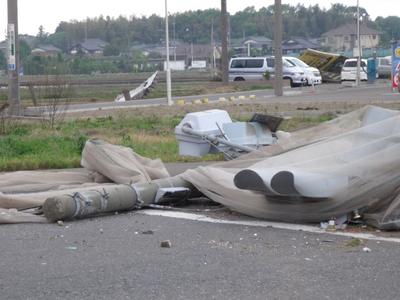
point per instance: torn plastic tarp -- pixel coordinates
(106, 167)
(358, 166)
(355, 157)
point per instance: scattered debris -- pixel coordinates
(354, 242)
(60, 223)
(165, 244)
(138, 93)
(148, 232)
(71, 248)
(295, 181)
(331, 226)
(328, 241)
(213, 131)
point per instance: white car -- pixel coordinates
(349, 70)
(313, 75)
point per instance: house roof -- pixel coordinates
(257, 40)
(93, 44)
(199, 50)
(351, 29)
(46, 48)
(299, 44)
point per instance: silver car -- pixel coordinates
(254, 68)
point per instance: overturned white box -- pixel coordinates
(207, 123)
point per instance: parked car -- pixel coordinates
(313, 75)
(254, 68)
(384, 66)
(349, 70)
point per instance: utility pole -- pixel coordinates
(168, 70)
(358, 45)
(224, 42)
(212, 44)
(13, 59)
(174, 37)
(278, 49)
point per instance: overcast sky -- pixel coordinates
(33, 13)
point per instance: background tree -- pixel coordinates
(42, 35)
(24, 49)
(390, 27)
(3, 61)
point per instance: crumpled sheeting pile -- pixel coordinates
(312, 175)
(104, 164)
(349, 163)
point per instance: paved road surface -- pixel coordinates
(119, 257)
(379, 91)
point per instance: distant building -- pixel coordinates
(46, 51)
(90, 47)
(344, 38)
(299, 45)
(187, 53)
(258, 44)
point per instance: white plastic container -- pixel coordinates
(204, 122)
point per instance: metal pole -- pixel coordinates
(168, 71)
(174, 40)
(212, 44)
(278, 49)
(358, 45)
(13, 59)
(224, 42)
(191, 52)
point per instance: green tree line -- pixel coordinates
(191, 26)
(195, 26)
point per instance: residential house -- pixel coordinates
(90, 46)
(298, 45)
(344, 38)
(256, 44)
(187, 53)
(46, 51)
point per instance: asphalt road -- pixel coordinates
(366, 93)
(119, 257)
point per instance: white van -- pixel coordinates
(254, 68)
(384, 67)
(349, 70)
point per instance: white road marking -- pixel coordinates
(267, 224)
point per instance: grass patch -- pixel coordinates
(31, 146)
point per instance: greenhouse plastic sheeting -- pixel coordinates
(105, 165)
(314, 174)
(356, 157)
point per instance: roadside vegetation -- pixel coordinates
(27, 145)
